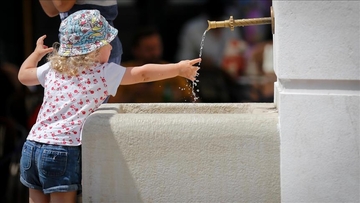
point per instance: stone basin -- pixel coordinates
(175, 152)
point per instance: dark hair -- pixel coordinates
(143, 32)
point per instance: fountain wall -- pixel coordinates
(181, 153)
(317, 63)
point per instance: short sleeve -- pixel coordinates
(113, 74)
(41, 72)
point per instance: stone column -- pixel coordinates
(316, 60)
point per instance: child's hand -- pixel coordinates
(42, 49)
(27, 74)
(187, 68)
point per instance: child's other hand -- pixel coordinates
(187, 68)
(42, 49)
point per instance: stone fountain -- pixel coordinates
(173, 152)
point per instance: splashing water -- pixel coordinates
(196, 81)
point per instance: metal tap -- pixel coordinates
(231, 23)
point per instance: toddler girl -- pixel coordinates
(76, 80)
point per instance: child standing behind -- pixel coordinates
(76, 80)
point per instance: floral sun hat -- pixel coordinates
(83, 32)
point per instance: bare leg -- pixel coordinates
(61, 197)
(37, 196)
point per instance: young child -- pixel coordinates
(76, 80)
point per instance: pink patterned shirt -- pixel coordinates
(68, 101)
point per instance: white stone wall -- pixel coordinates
(316, 60)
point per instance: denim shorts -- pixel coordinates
(50, 168)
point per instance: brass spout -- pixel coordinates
(231, 23)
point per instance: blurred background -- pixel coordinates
(237, 65)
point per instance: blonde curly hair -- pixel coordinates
(72, 65)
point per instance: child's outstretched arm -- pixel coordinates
(27, 73)
(154, 72)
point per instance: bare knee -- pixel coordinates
(61, 197)
(37, 196)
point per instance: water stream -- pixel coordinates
(202, 44)
(196, 81)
